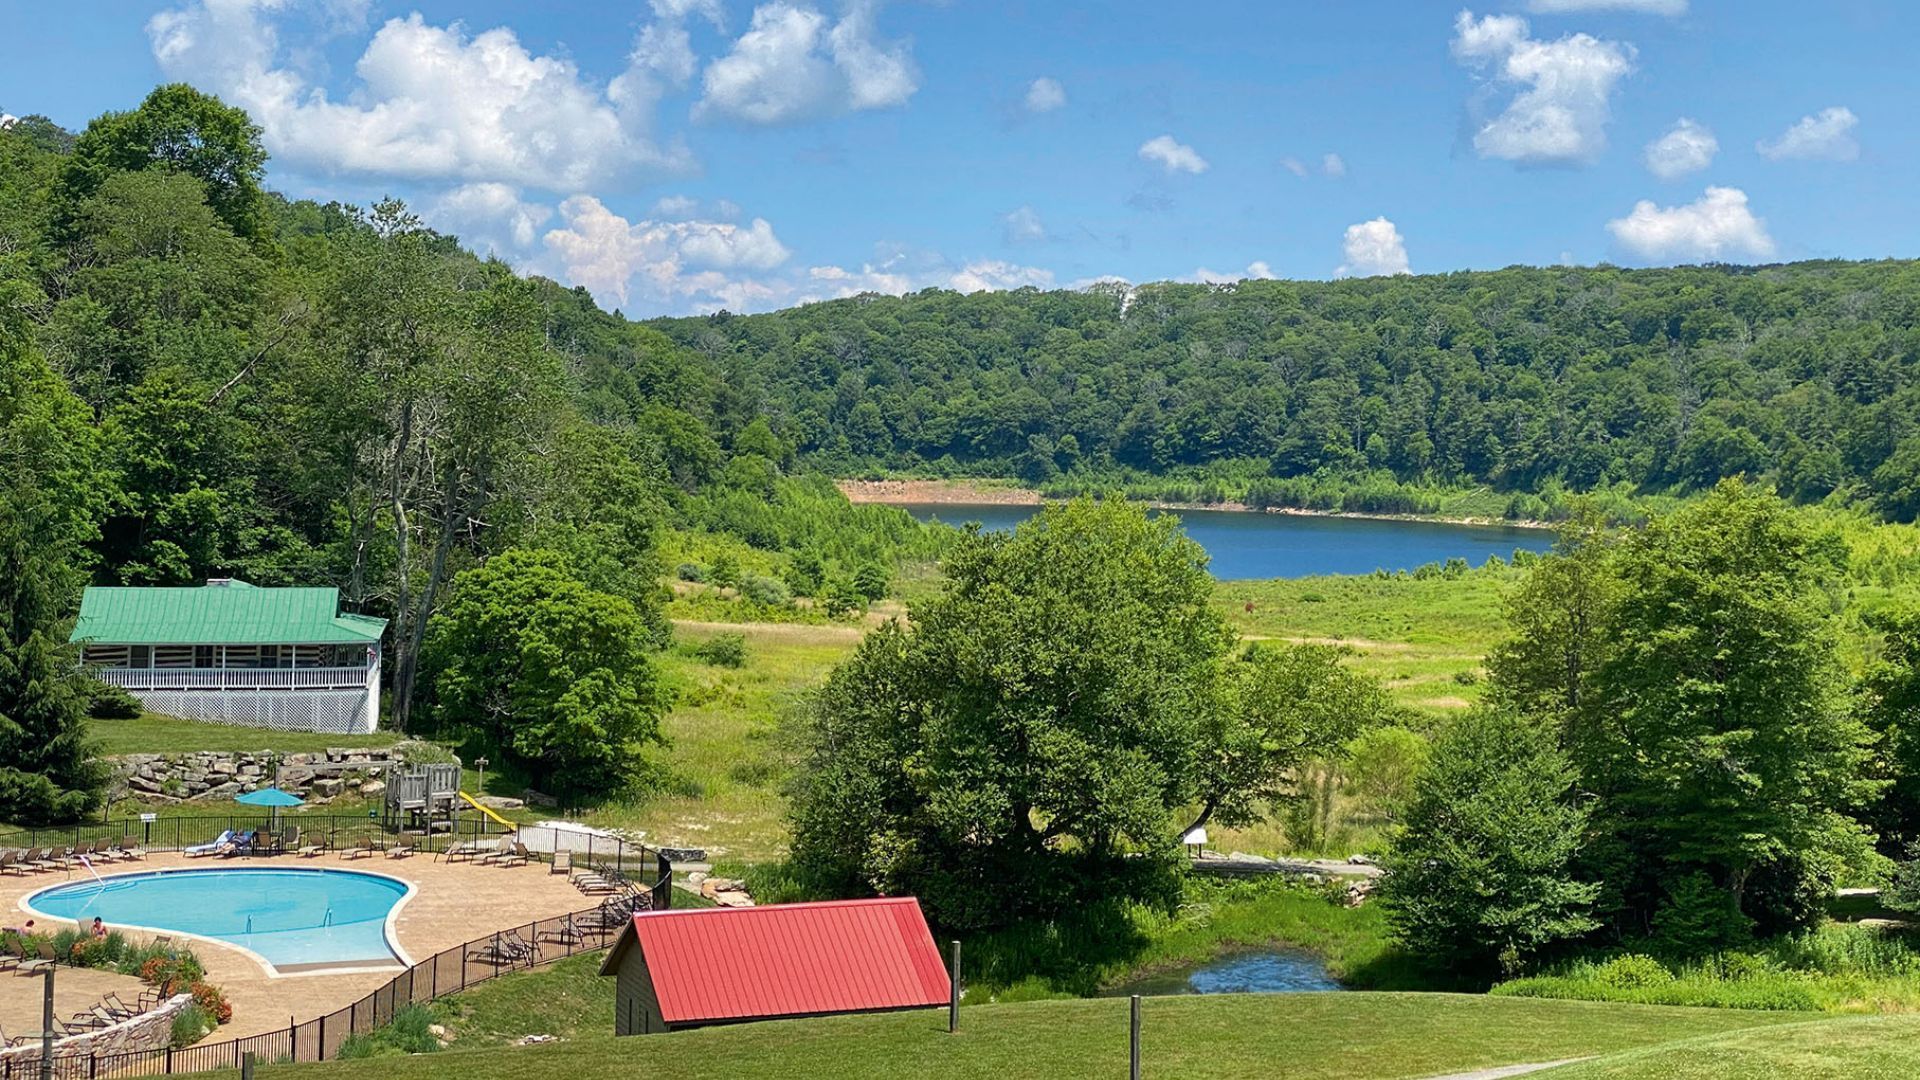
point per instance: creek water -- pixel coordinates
(1250, 545)
(1249, 971)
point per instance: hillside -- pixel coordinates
(1525, 379)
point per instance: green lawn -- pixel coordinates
(152, 734)
(1841, 1048)
(1300, 1036)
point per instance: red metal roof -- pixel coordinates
(791, 959)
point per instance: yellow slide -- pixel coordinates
(471, 801)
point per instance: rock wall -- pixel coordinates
(151, 1030)
(207, 774)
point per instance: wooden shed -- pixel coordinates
(689, 968)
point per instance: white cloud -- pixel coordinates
(1174, 156)
(1045, 95)
(667, 263)
(490, 217)
(1334, 165)
(432, 103)
(1825, 136)
(1559, 115)
(7, 120)
(1255, 271)
(1648, 7)
(791, 65)
(1687, 147)
(1372, 248)
(1023, 226)
(1295, 166)
(1716, 226)
(675, 207)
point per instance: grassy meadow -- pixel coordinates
(1307, 1036)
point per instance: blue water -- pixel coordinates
(287, 916)
(1245, 545)
(1262, 971)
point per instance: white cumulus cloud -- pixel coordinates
(491, 217)
(1559, 112)
(1648, 7)
(1334, 165)
(666, 263)
(1687, 147)
(1717, 226)
(431, 102)
(1045, 95)
(1255, 271)
(1825, 136)
(1172, 155)
(792, 64)
(1373, 248)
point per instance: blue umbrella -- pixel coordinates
(273, 798)
(270, 796)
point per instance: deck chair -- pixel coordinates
(464, 849)
(565, 934)
(38, 860)
(119, 1008)
(502, 950)
(35, 966)
(196, 851)
(501, 848)
(11, 960)
(308, 851)
(401, 849)
(562, 862)
(363, 849)
(128, 848)
(10, 864)
(514, 854)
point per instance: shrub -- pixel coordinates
(189, 1026)
(723, 650)
(209, 999)
(1699, 918)
(764, 590)
(688, 571)
(106, 701)
(1632, 972)
(725, 571)
(1903, 892)
(409, 1032)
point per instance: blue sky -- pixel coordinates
(684, 155)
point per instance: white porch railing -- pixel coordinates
(349, 678)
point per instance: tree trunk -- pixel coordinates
(402, 692)
(1206, 815)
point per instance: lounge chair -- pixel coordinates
(365, 847)
(37, 860)
(504, 950)
(516, 854)
(124, 1011)
(225, 839)
(9, 961)
(564, 934)
(10, 864)
(308, 851)
(400, 850)
(501, 848)
(35, 966)
(562, 862)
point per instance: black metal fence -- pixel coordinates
(646, 874)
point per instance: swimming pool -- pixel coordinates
(296, 920)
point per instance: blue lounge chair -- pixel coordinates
(210, 848)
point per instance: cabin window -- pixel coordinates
(107, 656)
(140, 656)
(203, 656)
(173, 656)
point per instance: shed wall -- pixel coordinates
(636, 1007)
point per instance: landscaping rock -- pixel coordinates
(501, 802)
(329, 787)
(373, 787)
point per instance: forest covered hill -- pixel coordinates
(1522, 379)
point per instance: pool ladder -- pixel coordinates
(328, 919)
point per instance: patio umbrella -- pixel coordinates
(272, 798)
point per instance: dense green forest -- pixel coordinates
(1525, 380)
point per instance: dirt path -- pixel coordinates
(1507, 1070)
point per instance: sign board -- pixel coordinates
(149, 817)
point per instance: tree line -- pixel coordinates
(1526, 380)
(200, 378)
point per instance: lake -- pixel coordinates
(1253, 971)
(1248, 545)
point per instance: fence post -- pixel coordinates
(321, 1052)
(1133, 1039)
(246, 1066)
(169, 1060)
(953, 995)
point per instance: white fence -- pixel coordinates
(329, 712)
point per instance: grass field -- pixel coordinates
(1300, 1036)
(1843, 1048)
(152, 734)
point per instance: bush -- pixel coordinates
(688, 571)
(725, 571)
(409, 1032)
(1632, 972)
(210, 1000)
(1903, 892)
(723, 650)
(1699, 917)
(106, 701)
(764, 590)
(190, 1025)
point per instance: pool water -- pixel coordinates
(291, 918)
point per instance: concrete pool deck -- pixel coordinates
(452, 903)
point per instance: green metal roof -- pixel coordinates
(234, 613)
